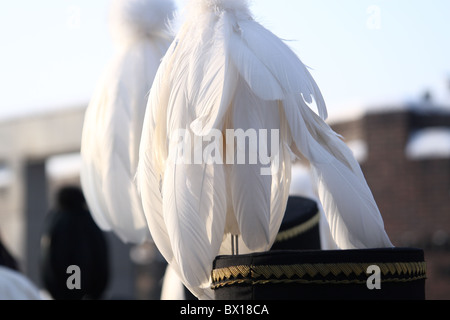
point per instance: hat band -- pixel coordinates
(319, 273)
(298, 230)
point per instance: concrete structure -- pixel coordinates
(25, 144)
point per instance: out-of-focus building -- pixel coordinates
(404, 152)
(38, 155)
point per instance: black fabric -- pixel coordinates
(323, 256)
(390, 291)
(407, 290)
(188, 295)
(71, 237)
(6, 258)
(298, 211)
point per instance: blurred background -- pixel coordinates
(383, 67)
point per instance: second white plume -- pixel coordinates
(114, 117)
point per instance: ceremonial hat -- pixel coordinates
(366, 274)
(300, 226)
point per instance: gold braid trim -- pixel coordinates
(273, 274)
(293, 232)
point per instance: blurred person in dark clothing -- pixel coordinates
(6, 258)
(74, 252)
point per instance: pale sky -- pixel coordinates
(362, 53)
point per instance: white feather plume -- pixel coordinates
(224, 71)
(132, 20)
(238, 6)
(114, 118)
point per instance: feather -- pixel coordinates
(152, 179)
(251, 190)
(340, 178)
(192, 204)
(135, 20)
(114, 118)
(351, 211)
(225, 75)
(285, 67)
(172, 287)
